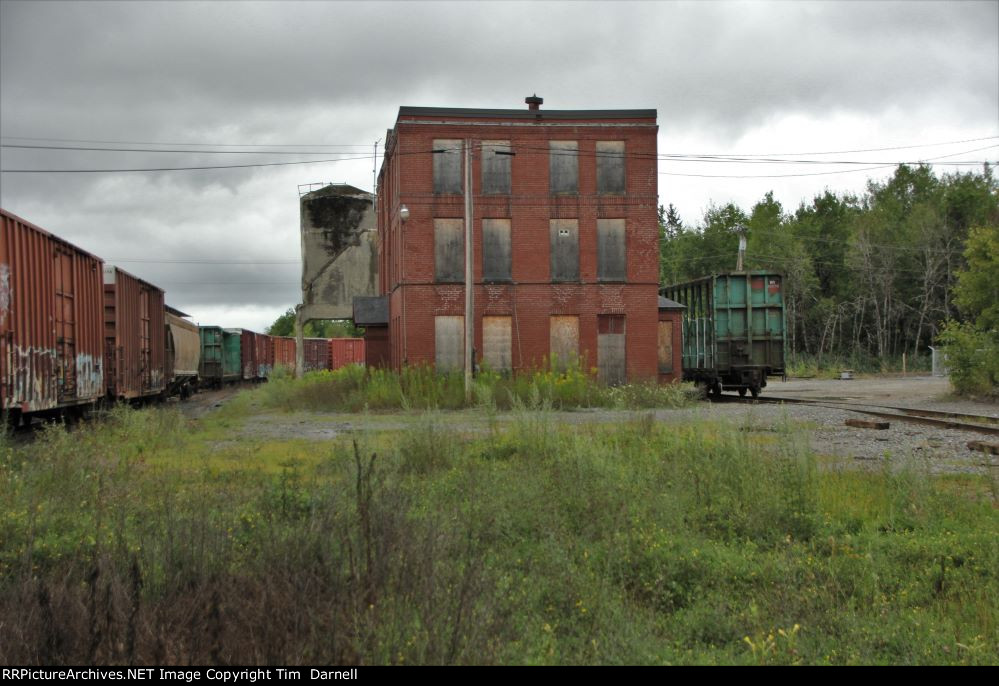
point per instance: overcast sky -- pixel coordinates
(726, 78)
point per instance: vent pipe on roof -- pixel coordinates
(534, 102)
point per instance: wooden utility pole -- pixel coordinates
(469, 271)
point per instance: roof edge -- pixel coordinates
(407, 110)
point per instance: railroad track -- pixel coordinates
(982, 424)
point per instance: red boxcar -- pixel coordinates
(344, 351)
(265, 355)
(317, 354)
(51, 340)
(255, 355)
(134, 344)
(284, 352)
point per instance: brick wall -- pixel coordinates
(407, 249)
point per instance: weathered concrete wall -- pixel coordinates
(339, 251)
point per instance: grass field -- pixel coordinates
(147, 537)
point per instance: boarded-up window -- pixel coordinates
(563, 166)
(565, 249)
(449, 338)
(449, 250)
(563, 342)
(496, 343)
(612, 262)
(665, 347)
(496, 253)
(496, 167)
(610, 349)
(447, 165)
(610, 167)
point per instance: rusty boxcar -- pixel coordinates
(283, 352)
(344, 351)
(316, 354)
(255, 355)
(51, 337)
(134, 341)
(183, 354)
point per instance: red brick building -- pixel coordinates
(565, 238)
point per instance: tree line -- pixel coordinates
(867, 277)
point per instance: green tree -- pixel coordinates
(317, 328)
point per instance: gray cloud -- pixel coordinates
(335, 73)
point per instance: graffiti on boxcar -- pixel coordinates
(89, 376)
(34, 384)
(4, 292)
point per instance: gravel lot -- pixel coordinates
(939, 450)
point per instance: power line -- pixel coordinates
(212, 145)
(195, 152)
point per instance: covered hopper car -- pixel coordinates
(733, 330)
(183, 354)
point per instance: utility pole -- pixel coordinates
(469, 298)
(742, 247)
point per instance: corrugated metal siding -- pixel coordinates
(210, 364)
(51, 338)
(732, 320)
(134, 326)
(344, 351)
(248, 354)
(232, 354)
(265, 355)
(316, 354)
(284, 352)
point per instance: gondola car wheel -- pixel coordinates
(742, 392)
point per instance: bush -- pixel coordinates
(973, 359)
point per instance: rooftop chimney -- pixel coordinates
(534, 102)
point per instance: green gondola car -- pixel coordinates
(220, 360)
(733, 330)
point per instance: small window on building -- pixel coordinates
(447, 165)
(496, 253)
(496, 343)
(449, 339)
(449, 250)
(496, 167)
(565, 249)
(611, 367)
(563, 342)
(612, 264)
(563, 166)
(610, 167)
